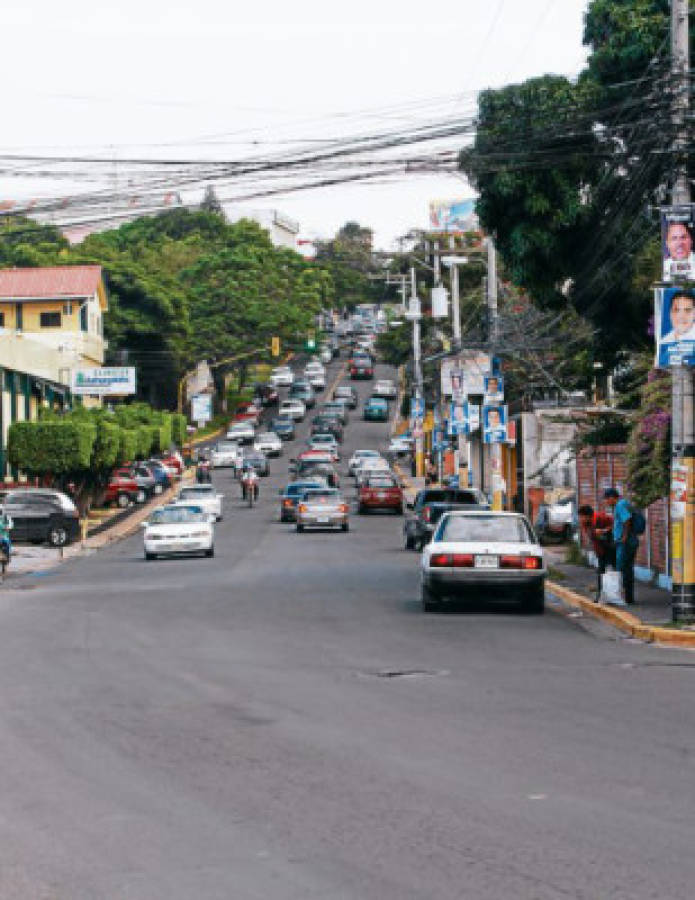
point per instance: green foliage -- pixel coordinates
(105, 452)
(128, 445)
(649, 446)
(51, 447)
(146, 439)
(348, 261)
(179, 434)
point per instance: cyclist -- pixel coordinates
(249, 482)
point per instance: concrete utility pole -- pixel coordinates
(493, 327)
(683, 431)
(415, 314)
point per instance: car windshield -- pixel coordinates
(267, 436)
(296, 490)
(450, 496)
(177, 515)
(484, 528)
(321, 496)
(203, 490)
(226, 447)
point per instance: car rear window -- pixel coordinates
(484, 528)
(296, 490)
(449, 496)
(321, 495)
(382, 483)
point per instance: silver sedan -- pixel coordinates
(324, 508)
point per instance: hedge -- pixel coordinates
(106, 449)
(179, 434)
(128, 448)
(56, 447)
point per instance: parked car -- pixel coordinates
(483, 555)
(179, 529)
(348, 393)
(160, 474)
(376, 410)
(282, 376)
(295, 409)
(225, 454)
(123, 489)
(557, 521)
(323, 508)
(173, 462)
(241, 432)
(268, 443)
(203, 495)
(430, 505)
(284, 428)
(379, 491)
(290, 496)
(42, 515)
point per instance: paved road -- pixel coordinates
(283, 722)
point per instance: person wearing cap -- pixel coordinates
(598, 528)
(626, 542)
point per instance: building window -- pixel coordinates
(2, 319)
(50, 320)
(19, 317)
(84, 320)
(67, 308)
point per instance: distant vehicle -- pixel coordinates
(380, 491)
(359, 455)
(241, 432)
(325, 441)
(322, 508)
(385, 388)
(318, 381)
(314, 367)
(123, 489)
(41, 514)
(179, 529)
(203, 495)
(399, 447)
(142, 477)
(284, 427)
(368, 468)
(303, 391)
(557, 521)
(289, 497)
(328, 424)
(268, 443)
(295, 409)
(348, 393)
(247, 412)
(257, 461)
(430, 505)
(363, 369)
(337, 408)
(160, 475)
(376, 410)
(225, 454)
(483, 555)
(312, 468)
(326, 355)
(282, 376)
(265, 395)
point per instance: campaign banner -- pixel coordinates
(494, 389)
(104, 382)
(674, 326)
(453, 216)
(464, 375)
(677, 243)
(494, 424)
(464, 418)
(201, 408)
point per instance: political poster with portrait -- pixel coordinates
(674, 326)
(465, 373)
(494, 424)
(677, 244)
(494, 389)
(458, 419)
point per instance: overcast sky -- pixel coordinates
(204, 79)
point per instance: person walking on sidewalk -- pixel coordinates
(597, 527)
(626, 542)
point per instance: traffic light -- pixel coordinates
(275, 346)
(311, 341)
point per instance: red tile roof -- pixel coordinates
(50, 282)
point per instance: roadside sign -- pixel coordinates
(201, 408)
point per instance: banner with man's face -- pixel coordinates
(678, 243)
(674, 326)
(494, 424)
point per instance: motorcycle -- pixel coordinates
(249, 489)
(202, 473)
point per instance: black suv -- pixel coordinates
(428, 508)
(40, 514)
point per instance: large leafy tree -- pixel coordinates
(349, 259)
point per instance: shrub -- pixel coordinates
(128, 446)
(56, 447)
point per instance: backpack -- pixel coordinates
(639, 522)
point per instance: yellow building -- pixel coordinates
(51, 322)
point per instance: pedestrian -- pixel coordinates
(430, 471)
(626, 542)
(597, 527)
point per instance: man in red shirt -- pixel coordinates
(598, 528)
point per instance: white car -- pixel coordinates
(370, 467)
(282, 376)
(325, 356)
(204, 495)
(325, 442)
(314, 368)
(268, 443)
(243, 432)
(385, 388)
(358, 456)
(317, 381)
(225, 454)
(483, 554)
(179, 529)
(399, 447)
(295, 409)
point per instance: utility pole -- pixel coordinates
(415, 314)
(682, 541)
(493, 329)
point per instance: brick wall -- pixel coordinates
(599, 468)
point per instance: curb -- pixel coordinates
(622, 620)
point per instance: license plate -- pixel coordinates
(486, 562)
(322, 520)
(381, 495)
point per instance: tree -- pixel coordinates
(211, 203)
(349, 259)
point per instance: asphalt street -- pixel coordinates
(283, 721)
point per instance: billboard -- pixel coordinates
(453, 215)
(104, 382)
(674, 326)
(677, 243)
(201, 408)
(465, 374)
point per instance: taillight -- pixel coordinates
(462, 560)
(440, 560)
(344, 507)
(532, 562)
(426, 513)
(510, 562)
(452, 560)
(521, 562)
(287, 502)
(302, 508)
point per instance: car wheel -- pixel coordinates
(122, 501)
(534, 603)
(346, 526)
(141, 496)
(430, 601)
(300, 528)
(57, 536)
(210, 552)
(150, 556)
(362, 509)
(399, 511)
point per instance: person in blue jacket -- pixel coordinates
(626, 542)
